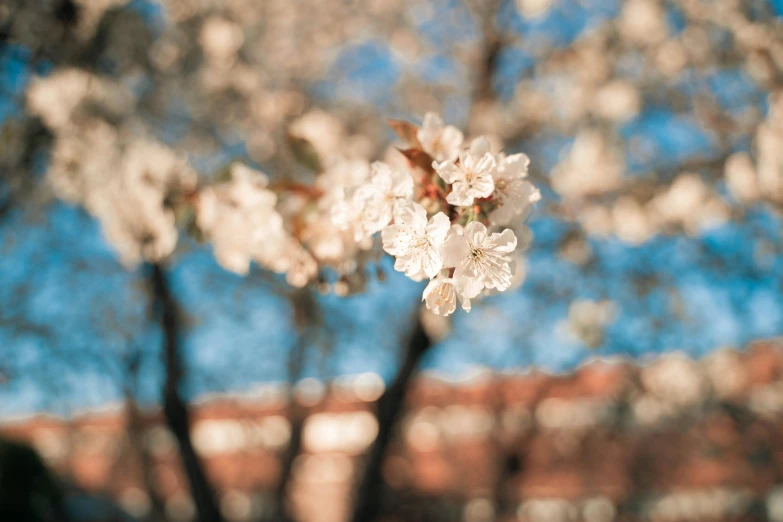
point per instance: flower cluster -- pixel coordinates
(440, 213)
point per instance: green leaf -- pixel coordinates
(304, 152)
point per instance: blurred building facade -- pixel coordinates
(672, 440)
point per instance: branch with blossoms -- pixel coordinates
(446, 210)
(441, 214)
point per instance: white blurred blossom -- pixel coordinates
(221, 39)
(592, 167)
(741, 178)
(587, 320)
(513, 193)
(372, 204)
(239, 219)
(441, 142)
(132, 206)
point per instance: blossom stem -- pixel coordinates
(297, 188)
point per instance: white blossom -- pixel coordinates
(298, 264)
(373, 204)
(58, 98)
(480, 260)
(415, 242)
(136, 224)
(344, 174)
(240, 220)
(324, 131)
(441, 142)
(593, 167)
(471, 178)
(441, 293)
(440, 296)
(514, 194)
(329, 244)
(221, 39)
(132, 205)
(77, 171)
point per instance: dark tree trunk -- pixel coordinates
(175, 409)
(296, 415)
(282, 509)
(135, 431)
(307, 317)
(369, 493)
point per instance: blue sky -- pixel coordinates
(71, 313)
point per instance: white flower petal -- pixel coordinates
(395, 239)
(479, 146)
(454, 250)
(475, 233)
(437, 228)
(440, 296)
(411, 214)
(514, 166)
(432, 123)
(431, 262)
(485, 165)
(449, 172)
(450, 141)
(469, 284)
(483, 187)
(505, 242)
(461, 194)
(502, 215)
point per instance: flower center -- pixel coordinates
(422, 242)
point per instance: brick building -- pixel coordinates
(672, 440)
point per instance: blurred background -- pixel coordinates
(633, 374)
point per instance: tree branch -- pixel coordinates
(175, 408)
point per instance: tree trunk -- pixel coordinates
(175, 408)
(307, 317)
(369, 494)
(135, 429)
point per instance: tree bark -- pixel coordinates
(282, 509)
(306, 317)
(369, 494)
(175, 409)
(296, 415)
(135, 429)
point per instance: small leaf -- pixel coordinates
(406, 131)
(224, 174)
(418, 158)
(304, 152)
(184, 214)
